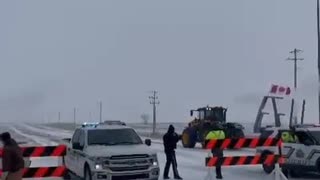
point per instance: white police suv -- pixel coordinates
(300, 157)
(304, 155)
(110, 151)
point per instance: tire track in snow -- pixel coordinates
(38, 139)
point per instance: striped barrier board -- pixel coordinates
(42, 151)
(242, 143)
(244, 160)
(43, 172)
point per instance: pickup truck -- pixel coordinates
(112, 152)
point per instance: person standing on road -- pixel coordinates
(12, 159)
(217, 133)
(170, 140)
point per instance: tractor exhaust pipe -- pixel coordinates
(303, 109)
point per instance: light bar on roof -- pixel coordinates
(90, 124)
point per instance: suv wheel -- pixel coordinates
(87, 173)
(295, 173)
(318, 165)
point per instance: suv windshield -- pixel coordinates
(316, 135)
(113, 137)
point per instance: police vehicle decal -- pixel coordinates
(300, 153)
(313, 152)
(291, 150)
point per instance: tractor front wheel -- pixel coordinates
(189, 138)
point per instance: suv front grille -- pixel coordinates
(129, 163)
(133, 168)
(127, 177)
(134, 156)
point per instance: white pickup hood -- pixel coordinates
(107, 151)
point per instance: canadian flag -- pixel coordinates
(280, 90)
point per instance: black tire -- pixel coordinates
(295, 173)
(318, 165)
(189, 138)
(234, 133)
(238, 133)
(67, 175)
(267, 168)
(87, 173)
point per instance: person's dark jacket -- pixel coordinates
(12, 158)
(170, 140)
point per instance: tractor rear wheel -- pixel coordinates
(189, 138)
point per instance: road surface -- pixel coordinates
(190, 161)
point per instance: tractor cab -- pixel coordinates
(212, 114)
(207, 119)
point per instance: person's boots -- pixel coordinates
(219, 177)
(166, 177)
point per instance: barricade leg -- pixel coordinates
(277, 173)
(210, 175)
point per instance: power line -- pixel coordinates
(154, 102)
(295, 60)
(318, 30)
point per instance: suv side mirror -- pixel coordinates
(147, 142)
(77, 146)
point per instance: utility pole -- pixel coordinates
(75, 118)
(295, 59)
(318, 30)
(154, 102)
(100, 107)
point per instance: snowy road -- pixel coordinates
(190, 161)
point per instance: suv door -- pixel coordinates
(80, 155)
(301, 150)
(71, 153)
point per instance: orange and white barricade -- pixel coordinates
(245, 160)
(40, 152)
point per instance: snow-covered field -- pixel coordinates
(190, 161)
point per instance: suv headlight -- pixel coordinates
(98, 167)
(154, 160)
(99, 163)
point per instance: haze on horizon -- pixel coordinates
(57, 55)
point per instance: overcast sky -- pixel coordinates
(56, 55)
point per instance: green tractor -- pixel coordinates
(208, 118)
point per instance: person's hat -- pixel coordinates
(5, 136)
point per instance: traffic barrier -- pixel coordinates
(43, 151)
(245, 160)
(43, 172)
(242, 143)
